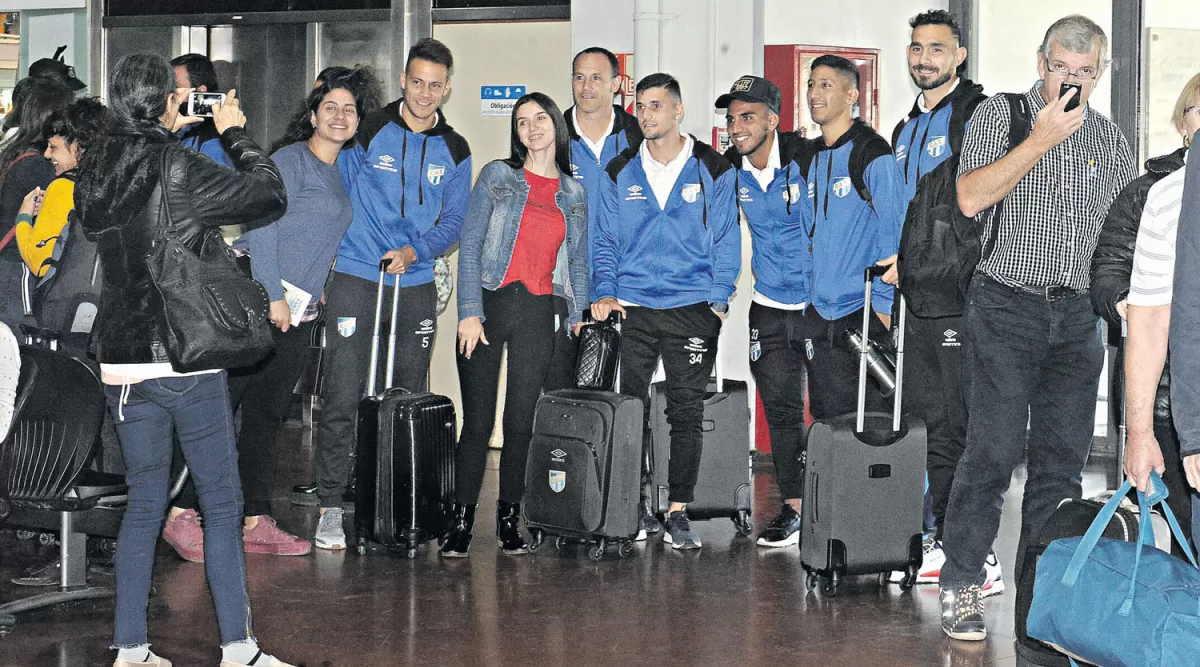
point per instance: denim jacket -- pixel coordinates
(489, 233)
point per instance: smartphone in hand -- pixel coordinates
(1065, 88)
(201, 104)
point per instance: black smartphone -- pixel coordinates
(1068, 87)
(201, 104)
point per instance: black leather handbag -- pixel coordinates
(599, 352)
(214, 316)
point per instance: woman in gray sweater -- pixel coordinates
(291, 258)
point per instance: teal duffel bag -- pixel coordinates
(1119, 604)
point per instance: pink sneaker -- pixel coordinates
(185, 535)
(269, 538)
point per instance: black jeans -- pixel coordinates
(934, 393)
(686, 340)
(349, 319)
(561, 372)
(1029, 360)
(264, 393)
(525, 323)
(783, 345)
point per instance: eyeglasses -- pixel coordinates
(1081, 74)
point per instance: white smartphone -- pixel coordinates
(201, 104)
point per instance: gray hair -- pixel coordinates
(1075, 33)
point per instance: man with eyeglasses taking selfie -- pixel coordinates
(1034, 350)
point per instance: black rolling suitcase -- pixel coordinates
(724, 487)
(864, 486)
(405, 461)
(583, 474)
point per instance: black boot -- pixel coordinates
(508, 533)
(457, 538)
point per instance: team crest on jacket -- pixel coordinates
(558, 480)
(901, 151)
(434, 174)
(936, 147)
(346, 326)
(791, 194)
(690, 192)
(842, 186)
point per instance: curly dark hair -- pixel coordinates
(81, 123)
(359, 82)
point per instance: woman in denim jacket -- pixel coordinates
(523, 244)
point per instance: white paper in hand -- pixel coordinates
(297, 301)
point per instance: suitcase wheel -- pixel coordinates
(625, 550)
(831, 584)
(597, 552)
(910, 578)
(743, 524)
(560, 543)
(411, 553)
(537, 536)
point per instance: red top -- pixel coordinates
(542, 232)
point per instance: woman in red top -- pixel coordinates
(523, 244)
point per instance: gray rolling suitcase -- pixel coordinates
(583, 471)
(864, 487)
(725, 486)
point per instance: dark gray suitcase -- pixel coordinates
(583, 474)
(725, 486)
(405, 459)
(864, 488)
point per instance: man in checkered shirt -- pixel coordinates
(1034, 350)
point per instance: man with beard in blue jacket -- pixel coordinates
(666, 255)
(409, 180)
(770, 178)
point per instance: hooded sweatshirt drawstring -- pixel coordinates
(421, 181)
(403, 172)
(125, 388)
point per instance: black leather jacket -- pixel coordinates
(118, 206)
(1112, 263)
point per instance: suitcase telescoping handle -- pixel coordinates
(373, 368)
(869, 275)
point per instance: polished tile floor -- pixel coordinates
(729, 604)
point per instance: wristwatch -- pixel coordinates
(718, 306)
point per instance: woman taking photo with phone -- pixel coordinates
(132, 183)
(523, 244)
(298, 250)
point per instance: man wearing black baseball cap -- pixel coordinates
(57, 68)
(772, 193)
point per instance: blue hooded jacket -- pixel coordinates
(850, 234)
(589, 170)
(203, 138)
(926, 139)
(686, 253)
(408, 189)
(779, 221)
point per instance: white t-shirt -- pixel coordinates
(1152, 280)
(661, 176)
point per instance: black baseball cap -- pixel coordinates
(56, 68)
(752, 89)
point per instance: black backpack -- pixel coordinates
(939, 246)
(65, 301)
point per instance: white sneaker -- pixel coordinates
(330, 534)
(933, 558)
(10, 372)
(994, 584)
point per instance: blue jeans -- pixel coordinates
(1028, 360)
(197, 408)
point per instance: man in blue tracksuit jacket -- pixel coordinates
(772, 193)
(666, 254)
(857, 197)
(409, 182)
(196, 71)
(599, 130)
(930, 136)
